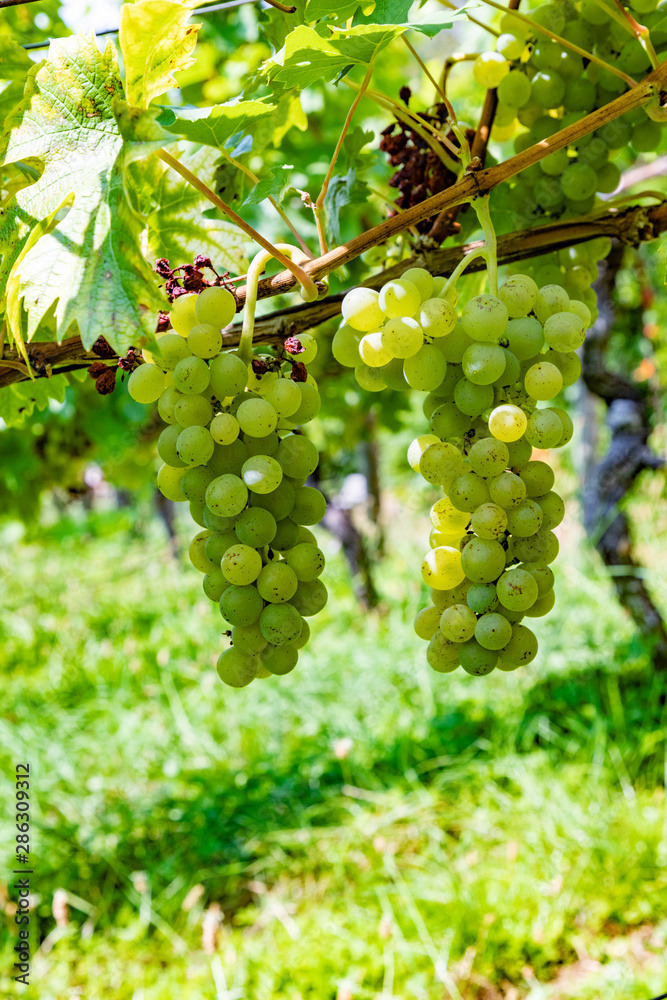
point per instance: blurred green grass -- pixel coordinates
(370, 829)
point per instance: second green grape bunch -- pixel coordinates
(486, 370)
(233, 448)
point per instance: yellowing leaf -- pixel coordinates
(156, 41)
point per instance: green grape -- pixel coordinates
(472, 399)
(489, 69)
(277, 582)
(507, 490)
(543, 380)
(440, 463)
(166, 446)
(297, 456)
(579, 95)
(453, 346)
(421, 279)
(481, 597)
(516, 589)
(241, 605)
(309, 506)
(510, 46)
(217, 544)
(256, 417)
(280, 660)
(564, 331)
(437, 318)
(310, 403)
(361, 310)
(279, 503)
(457, 623)
(484, 318)
(567, 362)
(552, 508)
(262, 445)
(248, 639)
(241, 564)
(345, 346)
(446, 517)
(542, 606)
(519, 452)
(447, 421)
(427, 622)
(197, 552)
(488, 521)
(483, 560)
(507, 423)
(550, 299)
(581, 310)
(196, 508)
(394, 376)
(224, 428)
(483, 363)
(442, 654)
(235, 668)
(518, 294)
(488, 457)
(146, 384)
(441, 568)
(646, 138)
(215, 523)
(399, 298)
(227, 495)
(417, 448)
(216, 306)
(544, 429)
(191, 376)
(373, 352)
(538, 478)
(515, 89)
(287, 535)
(526, 519)
(214, 584)
(261, 474)
(310, 598)
(169, 483)
(522, 647)
(259, 384)
(192, 411)
(533, 549)
(284, 397)
(307, 561)
(228, 376)
(309, 345)
(426, 369)
(542, 574)
(204, 340)
(167, 404)
(228, 458)
(548, 88)
(195, 482)
(493, 631)
(304, 637)
(400, 338)
(476, 660)
(567, 425)
(183, 314)
(195, 445)
(170, 349)
(256, 527)
(468, 491)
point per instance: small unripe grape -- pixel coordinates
(421, 279)
(508, 422)
(146, 384)
(543, 380)
(485, 318)
(183, 315)
(204, 340)
(361, 310)
(427, 622)
(458, 623)
(489, 69)
(373, 352)
(216, 306)
(191, 376)
(441, 568)
(399, 298)
(224, 428)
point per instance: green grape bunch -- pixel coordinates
(491, 372)
(233, 449)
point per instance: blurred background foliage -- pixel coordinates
(363, 828)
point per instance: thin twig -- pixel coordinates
(436, 86)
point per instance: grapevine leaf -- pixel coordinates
(14, 66)
(276, 26)
(274, 185)
(70, 121)
(344, 191)
(156, 42)
(179, 229)
(19, 399)
(317, 9)
(385, 12)
(215, 126)
(308, 57)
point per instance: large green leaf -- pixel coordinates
(70, 122)
(214, 126)
(178, 226)
(19, 399)
(309, 56)
(14, 66)
(156, 41)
